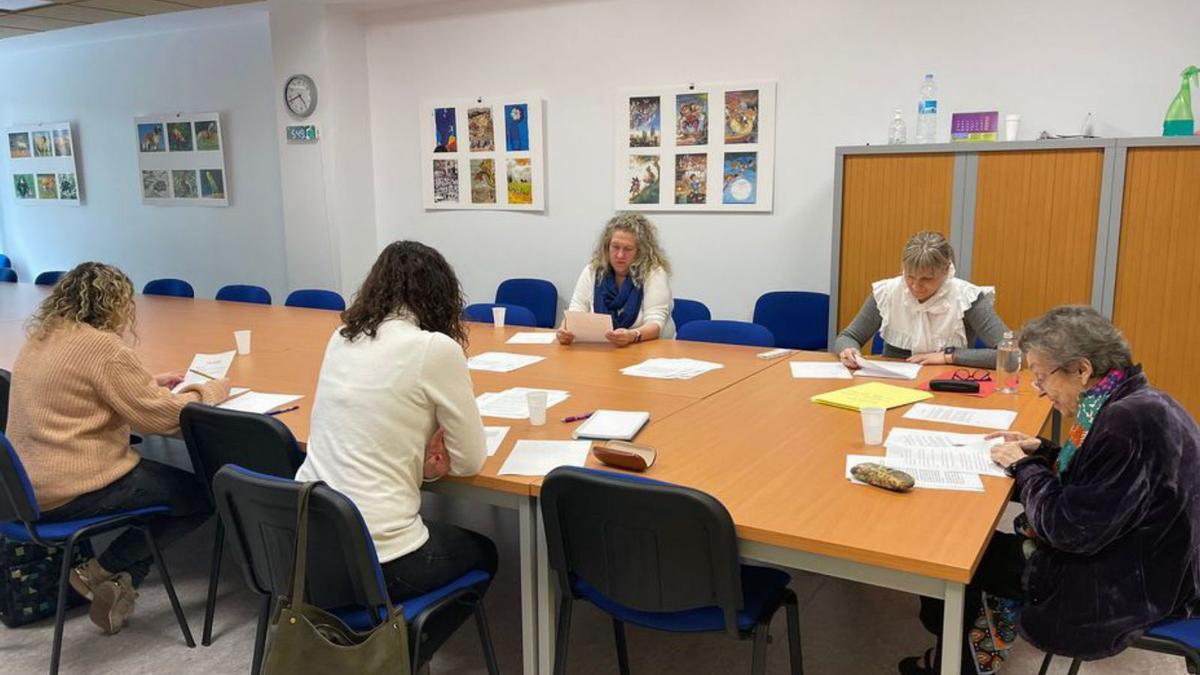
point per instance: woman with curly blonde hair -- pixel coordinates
(77, 390)
(627, 278)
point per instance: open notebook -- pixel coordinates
(620, 425)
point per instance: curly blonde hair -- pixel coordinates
(93, 293)
(650, 255)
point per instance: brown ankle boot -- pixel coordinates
(113, 603)
(85, 578)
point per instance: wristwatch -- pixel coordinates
(637, 335)
(949, 352)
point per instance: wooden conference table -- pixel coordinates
(746, 434)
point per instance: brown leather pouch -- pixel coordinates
(625, 455)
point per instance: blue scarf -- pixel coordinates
(622, 304)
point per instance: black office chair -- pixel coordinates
(344, 576)
(659, 556)
(5, 385)
(217, 437)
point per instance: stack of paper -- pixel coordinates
(538, 458)
(215, 366)
(671, 369)
(896, 370)
(513, 403)
(259, 402)
(495, 436)
(618, 425)
(501, 362)
(942, 451)
(530, 338)
(933, 479)
(972, 417)
(871, 395)
(588, 327)
(819, 370)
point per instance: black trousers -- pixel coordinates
(999, 573)
(449, 553)
(150, 483)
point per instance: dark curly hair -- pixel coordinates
(408, 277)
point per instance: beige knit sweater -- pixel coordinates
(75, 395)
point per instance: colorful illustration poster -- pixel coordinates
(445, 181)
(212, 184)
(43, 164)
(47, 186)
(691, 119)
(67, 189)
(18, 145)
(155, 185)
(446, 127)
(24, 186)
(644, 175)
(179, 136)
(645, 121)
(741, 178)
(183, 184)
(63, 147)
(181, 160)
(43, 144)
(483, 181)
(741, 116)
(516, 127)
(208, 135)
(520, 181)
(151, 138)
(691, 179)
(483, 132)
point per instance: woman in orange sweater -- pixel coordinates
(77, 390)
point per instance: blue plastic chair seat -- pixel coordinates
(539, 296)
(1186, 631)
(177, 288)
(686, 311)
(360, 619)
(762, 587)
(244, 293)
(515, 316)
(62, 530)
(48, 278)
(315, 298)
(8, 274)
(727, 332)
(4, 261)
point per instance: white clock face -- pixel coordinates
(300, 94)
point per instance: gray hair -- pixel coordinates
(650, 255)
(927, 251)
(1069, 334)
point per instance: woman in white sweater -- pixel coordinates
(627, 279)
(394, 406)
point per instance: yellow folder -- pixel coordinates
(871, 395)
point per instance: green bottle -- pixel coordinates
(1179, 121)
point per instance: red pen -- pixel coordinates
(577, 418)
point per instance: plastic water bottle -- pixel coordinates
(897, 134)
(1008, 364)
(927, 112)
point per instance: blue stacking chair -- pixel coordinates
(5, 261)
(21, 520)
(1177, 637)
(315, 298)
(537, 295)
(244, 293)
(8, 274)
(877, 344)
(176, 288)
(728, 332)
(797, 319)
(259, 514)
(5, 385)
(658, 556)
(515, 316)
(689, 310)
(48, 278)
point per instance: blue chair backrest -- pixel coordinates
(537, 295)
(244, 293)
(315, 298)
(48, 278)
(176, 288)
(515, 316)
(798, 319)
(259, 515)
(689, 310)
(728, 332)
(8, 274)
(648, 545)
(4, 261)
(5, 386)
(877, 344)
(17, 501)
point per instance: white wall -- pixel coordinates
(101, 77)
(841, 67)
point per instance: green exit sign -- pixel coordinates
(304, 133)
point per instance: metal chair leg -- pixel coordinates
(622, 647)
(1075, 667)
(60, 612)
(759, 665)
(485, 639)
(1046, 664)
(166, 579)
(214, 580)
(260, 634)
(562, 635)
(792, 605)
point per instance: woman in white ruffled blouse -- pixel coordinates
(926, 315)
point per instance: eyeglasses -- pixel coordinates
(1038, 382)
(971, 375)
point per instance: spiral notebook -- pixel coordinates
(619, 425)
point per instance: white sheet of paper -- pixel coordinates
(896, 370)
(538, 458)
(495, 436)
(965, 459)
(612, 424)
(501, 362)
(214, 365)
(259, 402)
(819, 370)
(932, 479)
(588, 327)
(531, 338)
(671, 369)
(512, 403)
(972, 417)
(924, 438)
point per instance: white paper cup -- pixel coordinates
(872, 423)
(498, 316)
(537, 407)
(242, 337)
(1012, 127)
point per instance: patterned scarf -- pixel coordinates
(622, 303)
(1090, 404)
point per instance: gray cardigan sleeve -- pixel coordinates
(861, 329)
(984, 323)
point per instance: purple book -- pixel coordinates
(975, 126)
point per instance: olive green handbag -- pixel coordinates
(305, 639)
